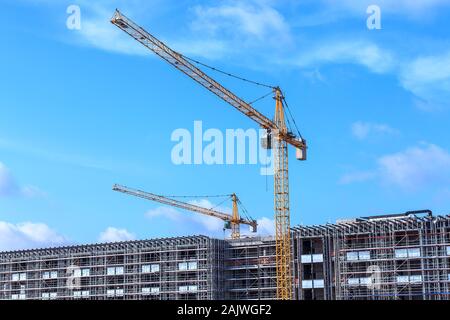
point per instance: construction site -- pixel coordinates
(393, 257)
(402, 256)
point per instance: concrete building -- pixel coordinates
(405, 256)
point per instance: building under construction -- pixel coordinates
(404, 256)
(169, 269)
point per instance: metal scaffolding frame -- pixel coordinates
(178, 268)
(385, 257)
(250, 269)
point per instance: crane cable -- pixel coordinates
(212, 196)
(249, 81)
(228, 196)
(260, 98)
(217, 205)
(228, 74)
(244, 210)
(293, 119)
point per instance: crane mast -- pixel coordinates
(282, 210)
(235, 220)
(277, 129)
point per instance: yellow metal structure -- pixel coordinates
(277, 128)
(235, 220)
(235, 229)
(281, 199)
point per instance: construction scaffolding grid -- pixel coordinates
(182, 268)
(377, 258)
(404, 256)
(250, 269)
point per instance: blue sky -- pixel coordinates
(83, 109)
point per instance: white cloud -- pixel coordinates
(112, 234)
(419, 167)
(209, 223)
(214, 30)
(165, 212)
(361, 130)
(30, 191)
(199, 223)
(363, 53)
(100, 33)
(266, 226)
(207, 48)
(359, 176)
(429, 79)
(7, 184)
(202, 224)
(28, 235)
(314, 76)
(416, 167)
(97, 31)
(254, 31)
(251, 18)
(259, 27)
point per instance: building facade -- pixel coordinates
(174, 268)
(250, 270)
(404, 256)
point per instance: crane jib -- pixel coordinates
(180, 204)
(177, 60)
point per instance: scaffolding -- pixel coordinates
(250, 269)
(403, 256)
(315, 276)
(182, 268)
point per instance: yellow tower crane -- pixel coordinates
(276, 129)
(234, 220)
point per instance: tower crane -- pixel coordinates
(276, 130)
(234, 220)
